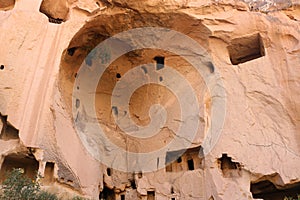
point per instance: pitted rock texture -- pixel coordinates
(254, 45)
(269, 5)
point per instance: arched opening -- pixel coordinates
(49, 173)
(269, 191)
(107, 194)
(25, 162)
(104, 26)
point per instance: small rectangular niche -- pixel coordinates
(132, 184)
(191, 164)
(49, 173)
(122, 196)
(107, 194)
(140, 174)
(169, 168)
(150, 195)
(246, 48)
(108, 171)
(160, 62)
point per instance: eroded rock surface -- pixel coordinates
(253, 45)
(7, 4)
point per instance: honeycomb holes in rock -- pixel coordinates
(76, 53)
(79, 48)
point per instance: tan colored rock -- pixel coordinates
(7, 4)
(56, 10)
(255, 47)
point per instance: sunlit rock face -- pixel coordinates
(249, 52)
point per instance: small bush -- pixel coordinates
(43, 195)
(19, 187)
(78, 198)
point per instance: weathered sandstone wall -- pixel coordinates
(254, 45)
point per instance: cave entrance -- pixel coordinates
(107, 194)
(80, 52)
(26, 162)
(268, 191)
(229, 168)
(151, 195)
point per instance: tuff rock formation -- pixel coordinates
(253, 45)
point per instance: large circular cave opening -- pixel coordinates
(105, 26)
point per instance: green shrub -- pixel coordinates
(78, 198)
(43, 195)
(19, 187)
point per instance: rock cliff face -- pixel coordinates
(253, 49)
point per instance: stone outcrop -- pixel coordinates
(253, 45)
